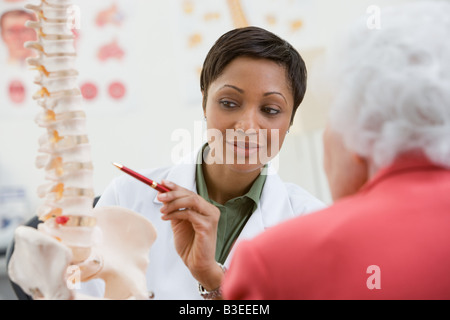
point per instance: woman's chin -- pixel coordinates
(245, 167)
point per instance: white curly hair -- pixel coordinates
(393, 89)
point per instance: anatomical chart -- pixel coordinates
(74, 242)
(104, 56)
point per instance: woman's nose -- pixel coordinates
(248, 121)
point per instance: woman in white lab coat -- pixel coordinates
(252, 83)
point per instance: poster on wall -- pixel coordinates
(104, 56)
(16, 83)
(105, 47)
(202, 22)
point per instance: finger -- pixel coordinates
(191, 201)
(176, 191)
(199, 223)
(172, 195)
(178, 215)
(171, 185)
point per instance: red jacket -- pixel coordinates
(391, 240)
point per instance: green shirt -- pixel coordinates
(234, 214)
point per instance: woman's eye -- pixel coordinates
(228, 104)
(270, 111)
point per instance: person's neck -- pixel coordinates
(224, 184)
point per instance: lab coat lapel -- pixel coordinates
(275, 202)
(274, 206)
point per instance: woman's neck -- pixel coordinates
(224, 184)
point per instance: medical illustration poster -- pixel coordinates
(104, 56)
(16, 84)
(202, 22)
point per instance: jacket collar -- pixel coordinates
(409, 161)
(274, 205)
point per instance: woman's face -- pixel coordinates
(248, 113)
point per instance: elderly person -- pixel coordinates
(387, 159)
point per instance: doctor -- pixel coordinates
(252, 83)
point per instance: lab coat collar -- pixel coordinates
(274, 205)
(274, 196)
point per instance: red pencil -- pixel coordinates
(141, 178)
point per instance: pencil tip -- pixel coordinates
(117, 165)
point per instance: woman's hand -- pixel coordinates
(194, 224)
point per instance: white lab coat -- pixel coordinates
(167, 275)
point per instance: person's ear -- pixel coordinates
(358, 159)
(363, 165)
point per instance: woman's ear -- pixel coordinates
(363, 166)
(358, 159)
(204, 98)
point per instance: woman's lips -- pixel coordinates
(244, 148)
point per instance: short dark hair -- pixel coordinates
(255, 42)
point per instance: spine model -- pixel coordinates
(109, 243)
(64, 148)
